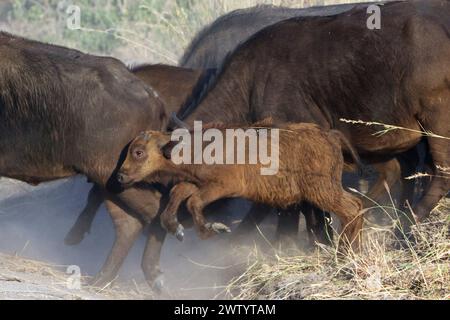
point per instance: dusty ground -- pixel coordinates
(34, 221)
(22, 278)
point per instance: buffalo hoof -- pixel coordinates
(73, 237)
(217, 227)
(180, 233)
(158, 284)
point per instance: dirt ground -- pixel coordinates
(34, 221)
(22, 278)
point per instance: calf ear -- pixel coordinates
(163, 140)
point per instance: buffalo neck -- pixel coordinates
(226, 98)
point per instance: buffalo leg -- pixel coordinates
(317, 225)
(348, 209)
(197, 202)
(86, 217)
(287, 226)
(405, 217)
(439, 187)
(127, 230)
(152, 254)
(169, 220)
(389, 172)
(254, 217)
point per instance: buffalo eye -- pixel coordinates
(138, 154)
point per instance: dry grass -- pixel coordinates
(421, 271)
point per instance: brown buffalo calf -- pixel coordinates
(309, 169)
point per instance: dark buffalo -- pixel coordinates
(173, 85)
(322, 69)
(214, 42)
(64, 113)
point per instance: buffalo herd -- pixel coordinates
(64, 113)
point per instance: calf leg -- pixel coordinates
(169, 220)
(198, 201)
(348, 209)
(318, 225)
(86, 217)
(127, 230)
(152, 254)
(349, 212)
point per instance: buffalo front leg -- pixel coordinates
(436, 119)
(198, 201)
(254, 217)
(169, 219)
(86, 217)
(152, 255)
(127, 230)
(287, 227)
(440, 184)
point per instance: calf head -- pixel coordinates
(144, 157)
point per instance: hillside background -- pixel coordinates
(131, 30)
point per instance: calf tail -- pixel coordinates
(348, 148)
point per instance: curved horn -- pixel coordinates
(177, 121)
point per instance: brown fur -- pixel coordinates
(310, 169)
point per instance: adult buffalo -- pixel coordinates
(214, 42)
(322, 69)
(64, 113)
(174, 85)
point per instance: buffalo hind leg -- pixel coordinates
(86, 217)
(348, 208)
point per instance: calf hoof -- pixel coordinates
(158, 284)
(180, 233)
(217, 227)
(73, 237)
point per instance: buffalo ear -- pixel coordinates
(166, 145)
(163, 140)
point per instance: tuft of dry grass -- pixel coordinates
(421, 271)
